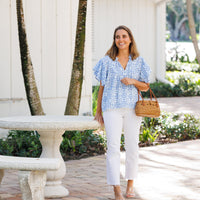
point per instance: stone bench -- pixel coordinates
(51, 128)
(32, 173)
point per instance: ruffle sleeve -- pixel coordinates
(145, 72)
(101, 71)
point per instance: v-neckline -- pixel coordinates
(124, 69)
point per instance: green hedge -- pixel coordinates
(184, 89)
(163, 90)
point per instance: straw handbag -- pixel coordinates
(147, 108)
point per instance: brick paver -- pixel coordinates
(166, 172)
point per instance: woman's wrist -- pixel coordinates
(98, 111)
(133, 81)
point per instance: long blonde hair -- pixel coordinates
(113, 51)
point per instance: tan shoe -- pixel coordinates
(130, 193)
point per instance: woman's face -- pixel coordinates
(122, 39)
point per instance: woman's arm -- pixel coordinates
(98, 115)
(138, 84)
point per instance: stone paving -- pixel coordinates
(190, 105)
(166, 172)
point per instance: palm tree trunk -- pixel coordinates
(74, 94)
(192, 29)
(27, 67)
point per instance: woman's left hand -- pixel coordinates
(127, 81)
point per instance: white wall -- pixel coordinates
(51, 27)
(139, 16)
(161, 41)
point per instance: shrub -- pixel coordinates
(78, 144)
(179, 66)
(187, 82)
(75, 144)
(21, 143)
(167, 128)
(178, 126)
(164, 90)
(175, 76)
(160, 90)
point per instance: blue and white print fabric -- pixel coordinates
(116, 94)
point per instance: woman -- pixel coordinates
(121, 72)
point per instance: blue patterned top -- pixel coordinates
(116, 94)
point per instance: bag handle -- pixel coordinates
(151, 93)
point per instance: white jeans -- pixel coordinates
(115, 121)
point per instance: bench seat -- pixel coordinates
(32, 173)
(25, 163)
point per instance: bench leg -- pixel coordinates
(32, 184)
(1, 175)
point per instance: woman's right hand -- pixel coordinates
(99, 118)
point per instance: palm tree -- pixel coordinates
(74, 94)
(192, 29)
(27, 67)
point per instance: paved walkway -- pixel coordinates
(189, 105)
(166, 172)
